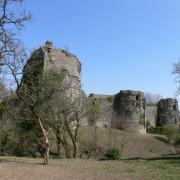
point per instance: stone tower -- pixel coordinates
(48, 58)
(167, 113)
(129, 108)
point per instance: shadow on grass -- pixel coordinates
(162, 139)
(11, 160)
(173, 157)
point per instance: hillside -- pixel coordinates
(134, 145)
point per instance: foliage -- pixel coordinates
(113, 153)
(6, 140)
(157, 130)
(110, 99)
(173, 134)
(94, 111)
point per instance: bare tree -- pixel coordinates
(30, 89)
(12, 21)
(68, 112)
(176, 71)
(152, 98)
(94, 116)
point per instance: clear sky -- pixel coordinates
(122, 44)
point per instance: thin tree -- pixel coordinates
(30, 89)
(12, 21)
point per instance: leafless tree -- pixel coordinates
(152, 98)
(68, 112)
(176, 71)
(12, 21)
(30, 89)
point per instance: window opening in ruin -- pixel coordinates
(174, 107)
(137, 98)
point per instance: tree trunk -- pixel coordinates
(66, 145)
(58, 147)
(72, 139)
(46, 142)
(95, 137)
(62, 139)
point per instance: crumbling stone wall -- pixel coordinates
(129, 111)
(151, 115)
(58, 59)
(106, 109)
(48, 58)
(167, 112)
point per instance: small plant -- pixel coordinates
(50, 57)
(113, 153)
(173, 134)
(110, 99)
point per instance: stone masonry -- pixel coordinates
(129, 108)
(167, 113)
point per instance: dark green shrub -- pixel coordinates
(157, 130)
(173, 134)
(110, 99)
(113, 154)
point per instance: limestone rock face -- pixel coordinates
(129, 111)
(167, 113)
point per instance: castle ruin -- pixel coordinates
(129, 108)
(126, 110)
(48, 58)
(167, 112)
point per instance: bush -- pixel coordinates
(110, 99)
(113, 154)
(173, 134)
(157, 130)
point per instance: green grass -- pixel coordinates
(162, 168)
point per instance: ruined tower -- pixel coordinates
(129, 108)
(167, 112)
(48, 58)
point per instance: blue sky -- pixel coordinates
(122, 44)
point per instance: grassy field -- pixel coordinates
(13, 168)
(144, 156)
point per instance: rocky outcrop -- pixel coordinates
(167, 113)
(129, 111)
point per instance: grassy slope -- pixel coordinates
(146, 167)
(136, 145)
(12, 168)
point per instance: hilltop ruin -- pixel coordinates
(126, 110)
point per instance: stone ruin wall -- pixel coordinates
(151, 114)
(106, 109)
(167, 112)
(129, 111)
(59, 59)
